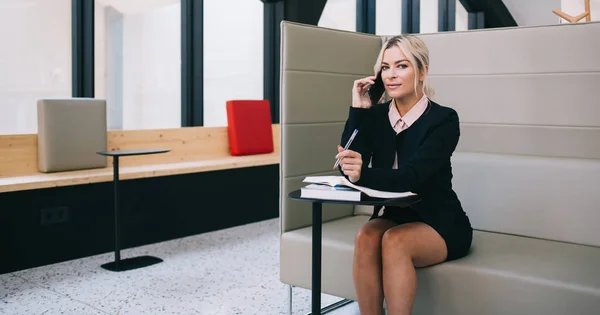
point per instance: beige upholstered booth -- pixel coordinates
(527, 168)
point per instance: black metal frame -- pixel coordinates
(317, 216)
(303, 11)
(365, 16)
(273, 15)
(446, 15)
(411, 16)
(192, 63)
(476, 20)
(82, 48)
(488, 14)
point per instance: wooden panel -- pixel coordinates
(18, 155)
(132, 172)
(186, 144)
(193, 149)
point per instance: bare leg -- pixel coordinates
(405, 247)
(366, 269)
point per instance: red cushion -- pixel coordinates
(249, 127)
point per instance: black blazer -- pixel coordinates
(424, 151)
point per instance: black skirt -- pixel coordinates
(458, 238)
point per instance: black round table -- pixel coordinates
(317, 209)
(135, 262)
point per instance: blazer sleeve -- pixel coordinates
(361, 119)
(428, 159)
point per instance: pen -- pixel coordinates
(346, 147)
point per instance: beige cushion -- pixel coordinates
(315, 98)
(337, 249)
(70, 132)
(543, 197)
(503, 274)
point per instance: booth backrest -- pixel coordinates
(318, 68)
(528, 161)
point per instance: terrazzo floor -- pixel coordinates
(231, 271)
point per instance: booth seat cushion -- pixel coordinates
(503, 274)
(507, 274)
(337, 250)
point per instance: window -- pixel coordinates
(339, 14)
(35, 59)
(462, 17)
(429, 16)
(233, 55)
(138, 62)
(388, 17)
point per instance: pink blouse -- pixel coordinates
(400, 123)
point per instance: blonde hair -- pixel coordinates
(416, 51)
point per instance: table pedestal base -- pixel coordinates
(131, 263)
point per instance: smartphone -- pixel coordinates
(376, 90)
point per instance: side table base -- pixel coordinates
(132, 263)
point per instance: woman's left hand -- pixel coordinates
(351, 163)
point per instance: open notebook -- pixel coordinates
(339, 188)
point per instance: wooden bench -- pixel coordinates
(193, 149)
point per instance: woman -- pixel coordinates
(408, 141)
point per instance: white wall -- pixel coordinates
(35, 59)
(233, 55)
(539, 12)
(533, 12)
(576, 7)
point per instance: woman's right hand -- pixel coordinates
(350, 163)
(360, 95)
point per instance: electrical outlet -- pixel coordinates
(54, 215)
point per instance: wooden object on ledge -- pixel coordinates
(193, 150)
(574, 19)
